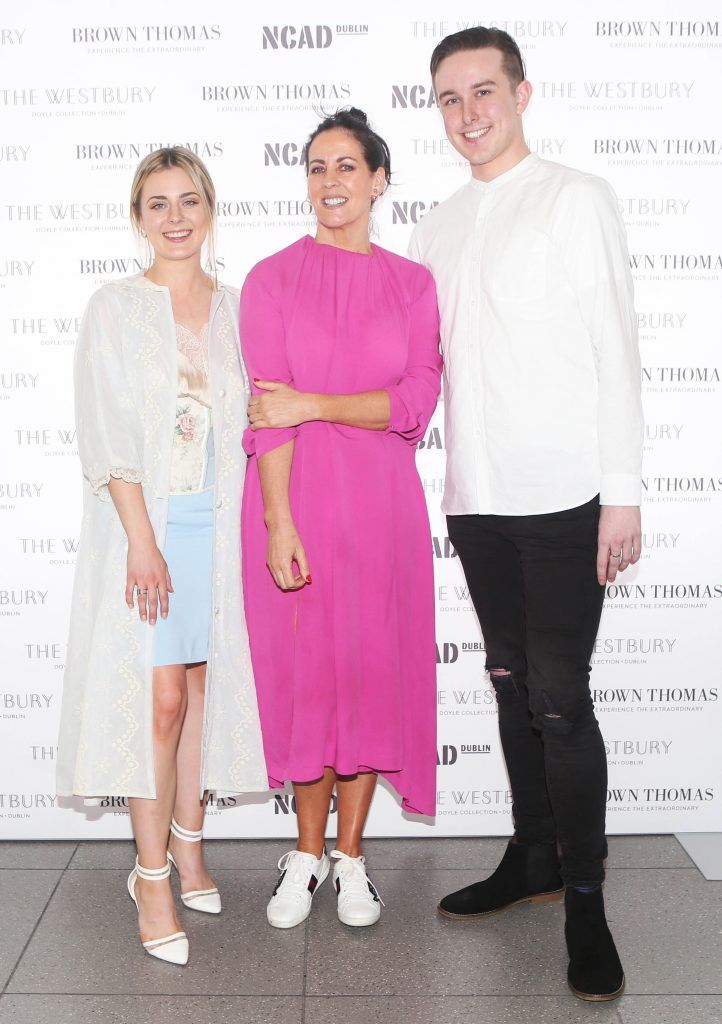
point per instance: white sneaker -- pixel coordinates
(301, 875)
(359, 904)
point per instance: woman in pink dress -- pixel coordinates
(341, 339)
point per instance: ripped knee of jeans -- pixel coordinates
(550, 720)
(502, 679)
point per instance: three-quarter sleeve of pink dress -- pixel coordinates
(413, 398)
(263, 346)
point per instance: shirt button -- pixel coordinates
(219, 503)
(222, 392)
(217, 611)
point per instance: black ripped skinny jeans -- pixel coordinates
(533, 583)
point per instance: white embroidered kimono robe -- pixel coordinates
(126, 381)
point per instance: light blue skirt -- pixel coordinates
(183, 638)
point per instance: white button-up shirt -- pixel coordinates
(539, 337)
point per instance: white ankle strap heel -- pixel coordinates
(171, 948)
(186, 834)
(207, 901)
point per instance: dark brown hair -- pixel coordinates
(481, 38)
(355, 122)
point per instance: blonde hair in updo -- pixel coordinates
(186, 159)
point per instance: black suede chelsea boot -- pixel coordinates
(595, 971)
(528, 873)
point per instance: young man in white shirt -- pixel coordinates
(544, 441)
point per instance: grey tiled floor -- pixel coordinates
(69, 952)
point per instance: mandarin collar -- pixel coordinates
(525, 166)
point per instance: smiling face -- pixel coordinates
(341, 185)
(482, 110)
(173, 215)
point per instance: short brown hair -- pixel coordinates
(481, 38)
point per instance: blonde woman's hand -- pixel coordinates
(148, 581)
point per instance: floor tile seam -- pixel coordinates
(37, 867)
(72, 855)
(35, 927)
(563, 995)
(160, 995)
(442, 997)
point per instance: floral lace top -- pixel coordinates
(192, 457)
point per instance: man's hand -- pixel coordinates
(620, 540)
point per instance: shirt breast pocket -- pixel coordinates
(517, 272)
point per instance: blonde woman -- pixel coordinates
(159, 704)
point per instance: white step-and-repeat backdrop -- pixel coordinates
(626, 90)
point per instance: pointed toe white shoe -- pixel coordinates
(171, 948)
(207, 901)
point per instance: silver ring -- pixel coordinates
(139, 590)
(616, 554)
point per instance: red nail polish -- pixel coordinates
(308, 579)
(256, 380)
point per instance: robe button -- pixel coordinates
(217, 611)
(222, 393)
(219, 503)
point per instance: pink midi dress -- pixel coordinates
(345, 668)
